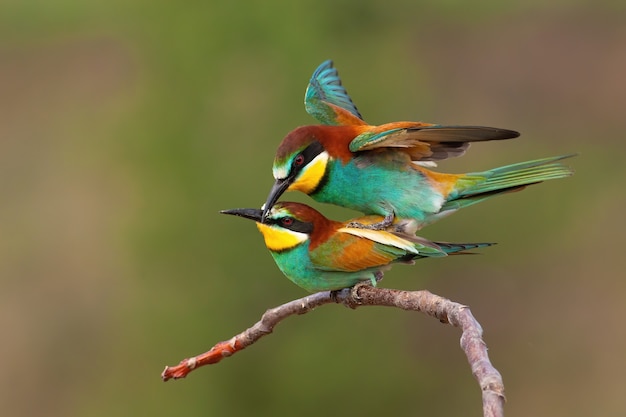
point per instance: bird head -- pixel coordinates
(300, 165)
(286, 225)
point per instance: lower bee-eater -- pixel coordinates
(382, 169)
(319, 254)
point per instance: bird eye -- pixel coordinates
(299, 160)
(287, 221)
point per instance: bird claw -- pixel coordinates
(382, 225)
(355, 298)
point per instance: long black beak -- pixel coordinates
(279, 187)
(248, 213)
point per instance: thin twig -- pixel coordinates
(442, 309)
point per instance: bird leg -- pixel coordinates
(382, 225)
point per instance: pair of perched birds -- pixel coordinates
(382, 172)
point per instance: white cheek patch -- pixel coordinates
(280, 173)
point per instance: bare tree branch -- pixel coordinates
(442, 309)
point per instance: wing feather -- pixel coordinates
(382, 237)
(327, 100)
(428, 142)
(353, 249)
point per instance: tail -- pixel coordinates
(475, 187)
(461, 248)
(443, 249)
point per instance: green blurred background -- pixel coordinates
(125, 126)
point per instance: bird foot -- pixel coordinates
(354, 299)
(382, 225)
(349, 296)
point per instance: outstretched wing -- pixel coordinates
(327, 100)
(426, 142)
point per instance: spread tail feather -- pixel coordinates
(477, 186)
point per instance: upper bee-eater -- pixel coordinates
(319, 254)
(382, 169)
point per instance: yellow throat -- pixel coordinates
(311, 175)
(278, 239)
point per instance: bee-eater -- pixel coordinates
(319, 254)
(382, 169)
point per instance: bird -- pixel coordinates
(384, 169)
(319, 254)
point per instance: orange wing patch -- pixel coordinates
(361, 254)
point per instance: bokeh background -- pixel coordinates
(125, 126)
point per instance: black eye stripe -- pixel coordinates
(309, 153)
(296, 226)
